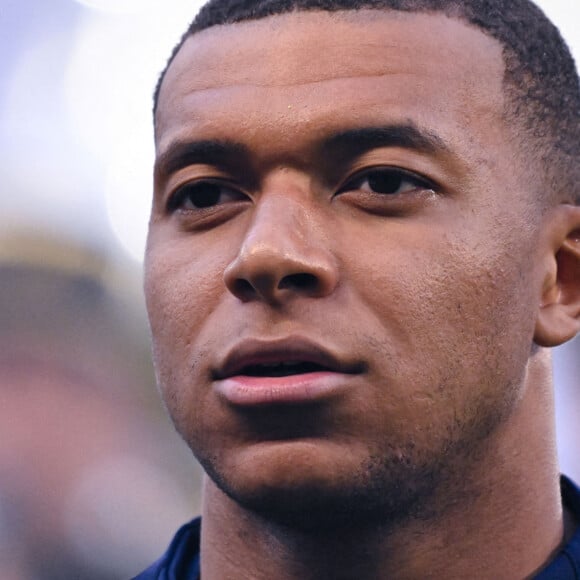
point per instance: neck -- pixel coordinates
(506, 522)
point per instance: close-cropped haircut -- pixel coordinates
(540, 81)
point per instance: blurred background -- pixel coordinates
(93, 480)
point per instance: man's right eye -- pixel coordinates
(200, 195)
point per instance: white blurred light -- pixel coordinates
(109, 93)
(565, 14)
(43, 172)
(119, 6)
(128, 194)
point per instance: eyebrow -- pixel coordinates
(406, 136)
(348, 143)
(181, 154)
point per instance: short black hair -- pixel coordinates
(540, 80)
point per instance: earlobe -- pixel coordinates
(559, 314)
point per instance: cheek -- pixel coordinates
(182, 287)
(457, 309)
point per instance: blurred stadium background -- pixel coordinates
(93, 480)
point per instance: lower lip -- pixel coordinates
(309, 387)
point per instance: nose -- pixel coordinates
(283, 255)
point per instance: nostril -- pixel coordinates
(242, 288)
(302, 281)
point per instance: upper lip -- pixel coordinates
(252, 352)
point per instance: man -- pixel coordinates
(365, 236)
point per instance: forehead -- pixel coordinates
(305, 70)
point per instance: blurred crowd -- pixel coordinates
(93, 479)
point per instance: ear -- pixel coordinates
(559, 315)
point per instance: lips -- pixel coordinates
(291, 370)
(282, 358)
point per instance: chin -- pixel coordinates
(302, 495)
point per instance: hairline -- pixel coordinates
(457, 15)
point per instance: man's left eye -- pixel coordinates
(386, 181)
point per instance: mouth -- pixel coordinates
(282, 369)
(281, 358)
(292, 370)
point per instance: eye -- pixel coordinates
(202, 195)
(387, 181)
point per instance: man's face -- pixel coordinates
(338, 191)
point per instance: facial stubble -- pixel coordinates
(388, 488)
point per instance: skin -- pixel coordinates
(438, 456)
